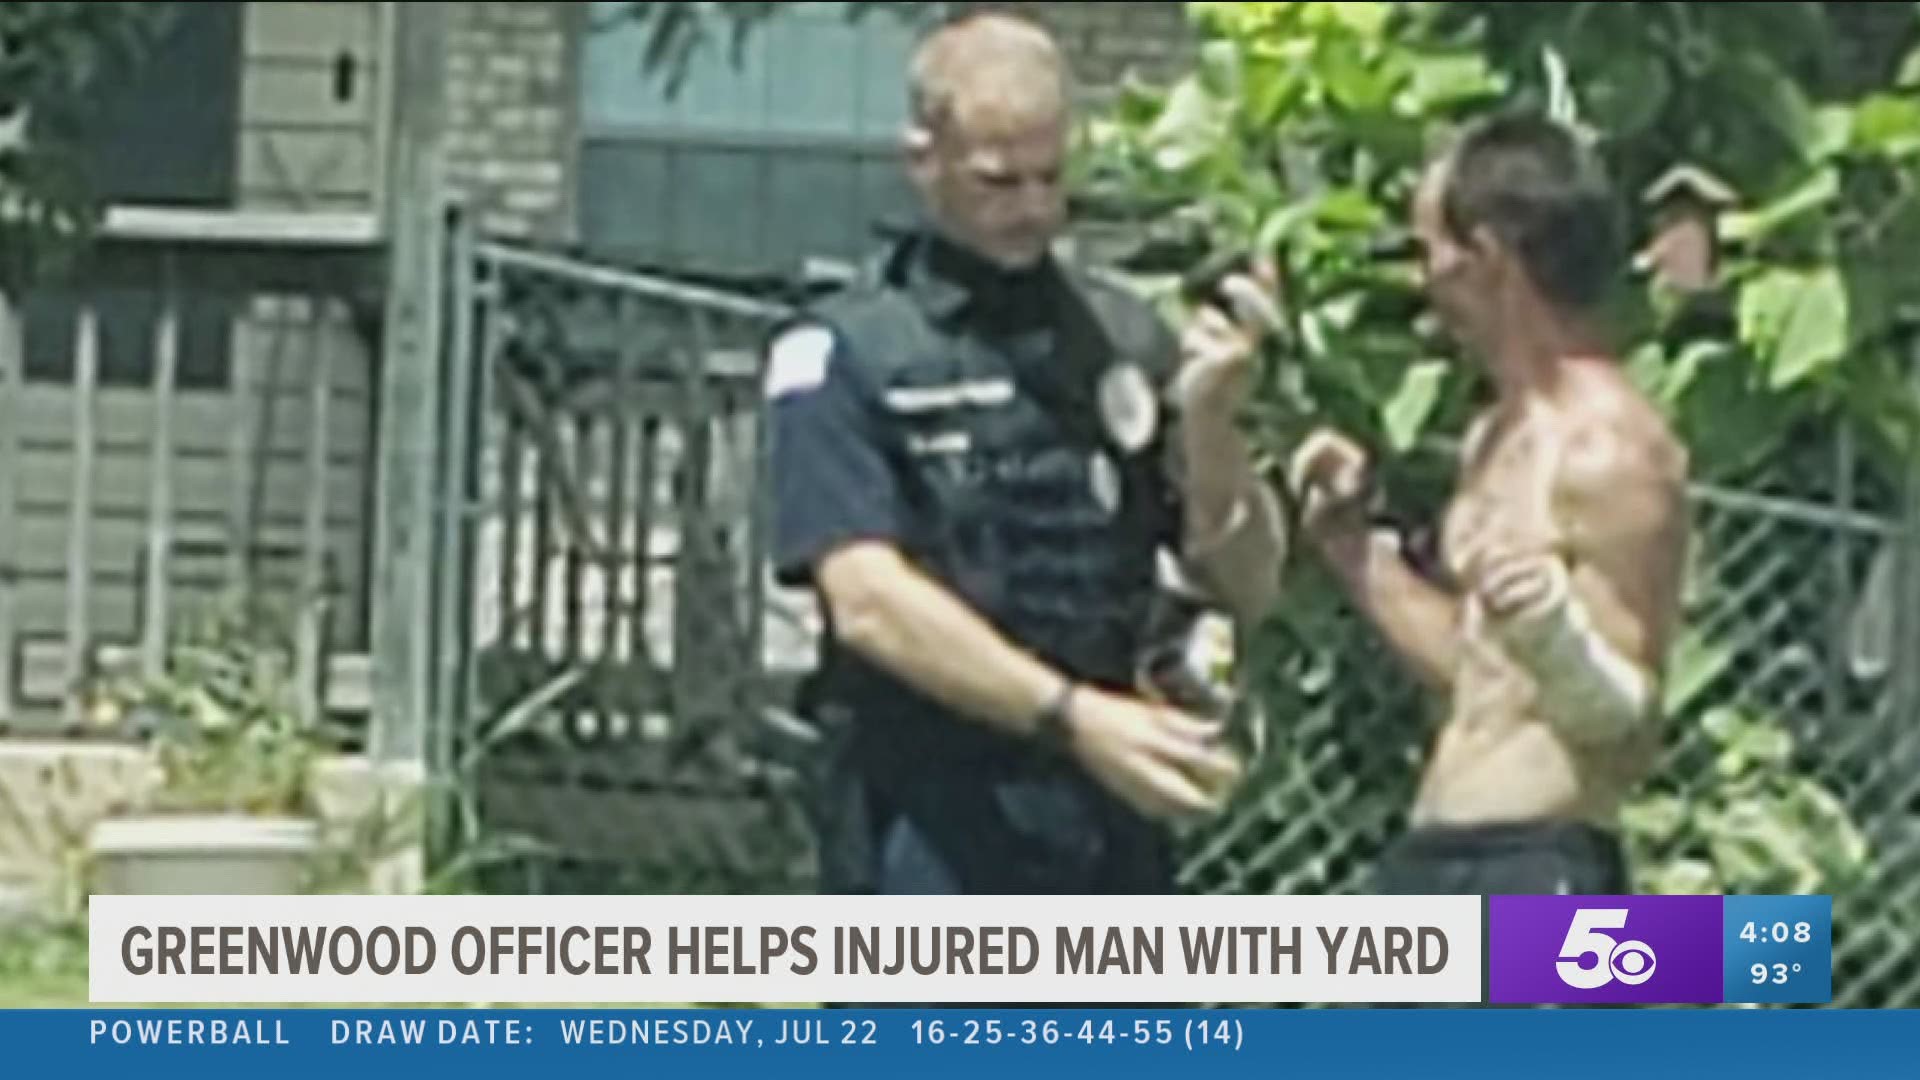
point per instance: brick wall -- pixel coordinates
(511, 114)
(512, 94)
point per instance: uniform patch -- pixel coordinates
(1104, 478)
(797, 362)
(982, 394)
(948, 443)
(1128, 407)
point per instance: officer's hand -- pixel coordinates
(1217, 349)
(1331, 479)
(1162, 762)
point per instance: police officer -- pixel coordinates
(983, 458)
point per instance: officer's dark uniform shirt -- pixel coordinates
(1000, 429)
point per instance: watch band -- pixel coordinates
(1051, 728)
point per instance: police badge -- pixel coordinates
(1129, 407)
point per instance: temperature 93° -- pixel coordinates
(1774, 974)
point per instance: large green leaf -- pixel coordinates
(1272, 88)
(1757, 845)
(1219, 69)
(1697, 662)
(1646, 366)
(1655, 819)
(1406, 413)
(1440, 81)
(1189, 129)
(1768, 94)
(1628, 95)
(1349, 208)
(1797, 318)
(1818, 192)
(1889, 125)
(1354, 80)
(1368, 20)
(1682, 877)
(1686, 369)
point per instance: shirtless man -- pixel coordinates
(1564, 544)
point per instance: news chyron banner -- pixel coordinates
(1084, 951)
(1012, 987)
(742, 950)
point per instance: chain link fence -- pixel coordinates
(622, 726)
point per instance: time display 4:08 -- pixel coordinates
(1042, 1033)
(1778, 933)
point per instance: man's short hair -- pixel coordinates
(995, 62)
(1531, 182)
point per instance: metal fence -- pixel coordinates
(627, 660)
(1789, 768)
(614, 671)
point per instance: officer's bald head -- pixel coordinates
(987, 73)
(987, 139)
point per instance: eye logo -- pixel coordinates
(1590, 959)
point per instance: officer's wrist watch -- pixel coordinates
(1053, 728)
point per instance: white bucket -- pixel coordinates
(224, 855)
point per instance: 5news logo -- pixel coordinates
(1603, 950)
(1590, 958)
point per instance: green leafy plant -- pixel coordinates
(1302, 128)
(225, 719)
(1754, 824)
(1300, 134)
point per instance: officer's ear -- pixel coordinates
(916, 142)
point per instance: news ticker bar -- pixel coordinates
(1084, 951)
(719, 1044)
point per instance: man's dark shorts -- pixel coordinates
(1504, 860)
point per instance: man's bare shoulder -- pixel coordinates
(1619, 448)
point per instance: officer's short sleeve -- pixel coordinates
(832, 480)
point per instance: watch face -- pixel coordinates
(1129, 408)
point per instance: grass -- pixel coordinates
(43, 968)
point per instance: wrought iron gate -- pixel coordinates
(611, 650)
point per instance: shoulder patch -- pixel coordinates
(797, 363)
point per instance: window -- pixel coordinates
(752, 167)
(164, 137)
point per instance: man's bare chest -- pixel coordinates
(1503, 500)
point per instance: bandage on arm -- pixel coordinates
(1240, 559)
(1587, 689)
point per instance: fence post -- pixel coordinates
(402, 624)
(1904, 656)
(455, 492)
(12, 360)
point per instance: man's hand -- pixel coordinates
(1234, 540)
(1218, 349)
(1216, 365)
(1511, 584)
(1165, 764)
(1331, 478)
